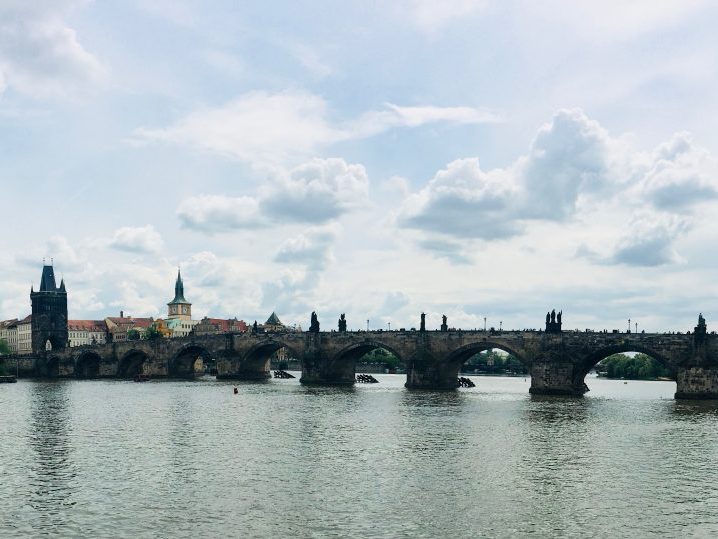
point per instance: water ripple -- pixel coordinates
(191, 459)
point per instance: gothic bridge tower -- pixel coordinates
(49, 313)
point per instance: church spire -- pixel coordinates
(179, 290)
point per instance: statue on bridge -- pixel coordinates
(314, 325)
(444, 327)
(255, 329)
(553, 321)
(699, 334)
(342, 323)
(422, 327)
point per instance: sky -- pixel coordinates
(475, 158)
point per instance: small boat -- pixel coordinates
(141, 378)
(7, 379)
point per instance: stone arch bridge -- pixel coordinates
(557, 361)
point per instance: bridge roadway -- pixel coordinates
(557, 362)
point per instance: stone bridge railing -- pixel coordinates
(557, 362)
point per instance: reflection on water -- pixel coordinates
(189, 459)
(51, 472)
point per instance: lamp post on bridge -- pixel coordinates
(484, 323)
(629, 325)
(367, 325)
(636, 326)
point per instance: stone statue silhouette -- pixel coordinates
(254, 327)
(342, 323)
(548, 318)
(553, 316)
(314, 325)
(701, 320)
(443, 319)
(423, 322)
(558, 317)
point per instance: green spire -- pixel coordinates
(179, 291)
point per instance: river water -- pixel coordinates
(192, 459)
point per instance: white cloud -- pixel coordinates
(144, 239)
(290, 292)
(315, 192)
(430, 16)
(217, 213)
(309, 58)
(570, 156)
(649, 241)
(312, 249)
(39, 55)
(392, 116)
(465, 201)
(453, 251)
(56, 248)
(264, 128)
(616, 19)
(676, 177)
(256, 127)
(573, 168)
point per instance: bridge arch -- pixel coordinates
(463, 353)
(132, 364)
(596, 356)
(342, 365)
(182, 364)
(257, 358)
(356, 350)
(453, 361)
(87, 364)
(47, 366)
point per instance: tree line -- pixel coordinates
(637, 367)
(495, 362)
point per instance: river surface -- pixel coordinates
(192, 459)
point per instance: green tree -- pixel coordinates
(133, 335)
(495, 362)
(380, 355)
(152, 333)
(637, 367)
(4, 347)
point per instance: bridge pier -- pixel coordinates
(556, 378)
(317, 370)
(697, 383)
(429, 374)
(423, 371)
(234, 368)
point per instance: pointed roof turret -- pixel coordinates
(62, 285)
(273, 320)
(179, 291)
(47, 282)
